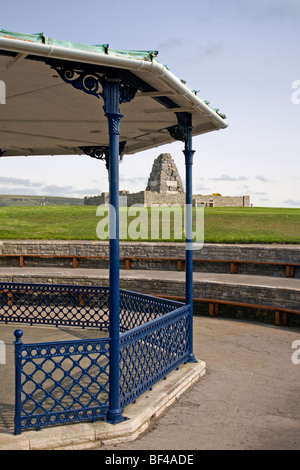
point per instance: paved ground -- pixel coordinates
(248, 399)
(13, 274)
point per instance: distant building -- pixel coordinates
(165, 187)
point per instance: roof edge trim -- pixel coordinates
(132, 64)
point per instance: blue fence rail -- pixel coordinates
(148, 353)
(58, 305)
(60, 382)
(137, 309)
(68, 381)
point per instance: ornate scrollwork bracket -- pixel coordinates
(182, 130)
(90, 83)
(101, 152)
(94, 83)
(112, 90)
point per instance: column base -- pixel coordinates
(115, 416)
(192, 359)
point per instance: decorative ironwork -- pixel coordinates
(68, 381)
(137, 309)
(43, 304)
(61, 382)
(127, 93)
(94, 83)
(114, 122)
(122, 146)
(181, 131)
(151, 351)
(90, 83)
(102, 152)
(113, 89)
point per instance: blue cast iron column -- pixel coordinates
(111, 96)
(189, 153)
(113, 92)
(18, 380)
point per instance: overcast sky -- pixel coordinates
(243, 56)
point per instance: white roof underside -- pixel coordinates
(43, 115)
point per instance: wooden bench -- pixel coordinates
(281, 314)
(234, 264)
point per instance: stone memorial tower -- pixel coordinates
(164, 177)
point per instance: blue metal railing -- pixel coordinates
(62, 382)
(149, 352)
(58, 305)
(137, 309)
(68, 381)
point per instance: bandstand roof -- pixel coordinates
(44, 115)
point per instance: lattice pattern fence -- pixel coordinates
(61, 382)
(137, 309)
(68, 381)
(151, 351)
(58, 305)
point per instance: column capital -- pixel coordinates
(111, 97)
(114, 121)
(189, 156)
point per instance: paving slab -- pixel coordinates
(13, 274)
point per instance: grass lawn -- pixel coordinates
(221, 225)
(252, 225)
